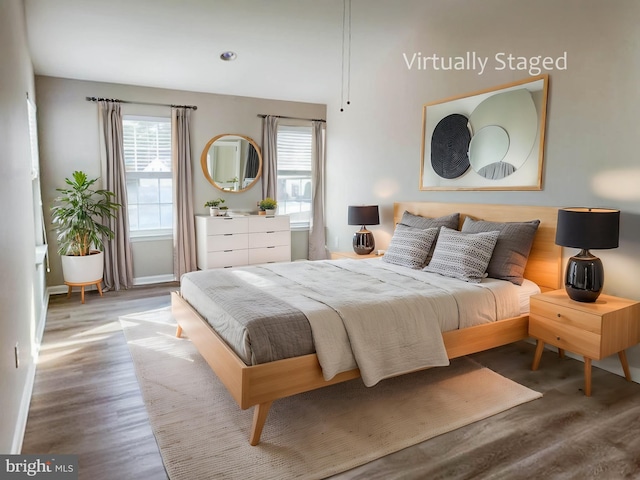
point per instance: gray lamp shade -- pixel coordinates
(364, 215)
(588, 228)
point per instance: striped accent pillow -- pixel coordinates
(409, 246)
(462, 255)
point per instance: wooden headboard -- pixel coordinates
(545, 260)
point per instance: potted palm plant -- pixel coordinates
(77, 216)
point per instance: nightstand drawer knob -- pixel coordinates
(558, 315)
(558, 338)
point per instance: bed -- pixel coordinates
(258, 385)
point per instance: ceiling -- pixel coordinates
(287, 49)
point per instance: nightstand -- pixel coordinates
(354, 255)
(594, 330)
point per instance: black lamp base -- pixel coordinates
(584, 278)
(363, 242)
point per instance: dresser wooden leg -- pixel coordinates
(538, 355)
(179, 331)
(587, 376)
(561, 353)
(625, 364)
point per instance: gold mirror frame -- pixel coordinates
(228, 186)
(528, 166)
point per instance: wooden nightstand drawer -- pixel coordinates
(567, 315)
(565, 336)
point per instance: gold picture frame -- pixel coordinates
(491, 139)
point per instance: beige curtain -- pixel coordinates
(269, 157)
(317, 242)
(118, 258)
(184, 232)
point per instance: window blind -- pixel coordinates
(294, 148)
(147, 144)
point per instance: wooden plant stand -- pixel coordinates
(97, 283)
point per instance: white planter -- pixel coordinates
(214, 211)
(270, 211)
(83, 269)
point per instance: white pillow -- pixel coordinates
(410, 246)
(462, 255)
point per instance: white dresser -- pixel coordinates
(223, 242)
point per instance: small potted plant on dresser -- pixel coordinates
(76, 216)
(268, 206)
(214, 210)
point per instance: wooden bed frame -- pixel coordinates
(260, 385)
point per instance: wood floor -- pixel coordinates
(86, 401)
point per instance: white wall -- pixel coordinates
(20, 306)
(69, 141)
(592, 127)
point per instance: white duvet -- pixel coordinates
(384, 319)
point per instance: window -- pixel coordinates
(294, 173)
(147, 159)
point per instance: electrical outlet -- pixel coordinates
(17, 355)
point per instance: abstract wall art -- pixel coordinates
(487, 140)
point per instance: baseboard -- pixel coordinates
(25, 402)
(170, 277)
(166, 278)
(59, 289)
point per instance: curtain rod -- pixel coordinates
(293, 118)
(96, 99)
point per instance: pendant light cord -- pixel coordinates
(346, 32)
(349, 60)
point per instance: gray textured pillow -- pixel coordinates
(409, 246)
(512, 248)
(450, 221)
(462, 255)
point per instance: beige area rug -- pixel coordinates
(202, 433)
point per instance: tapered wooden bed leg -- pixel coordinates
(179, 331)
(259, 417)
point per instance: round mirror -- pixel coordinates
(232, 163)
(508, 120)
(487, 149)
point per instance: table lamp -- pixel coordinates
(363, 241)
(586, 228)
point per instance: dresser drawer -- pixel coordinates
(262, 223)
(228, 241)
(279, 253)
(565, 336)
(567, 316)
(270, 239)
(227, 258)
(222, 225)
